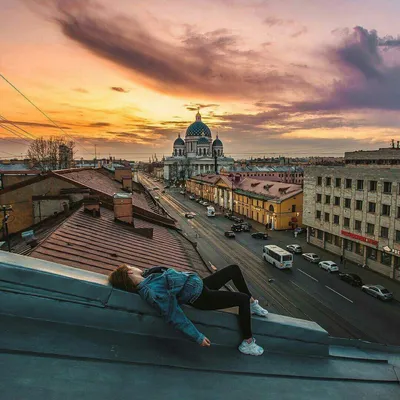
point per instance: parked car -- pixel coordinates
(205, 203)
(237, 220)
(229, 216)
(198, 200)
(230, 234)
(294, 248)
(157, 197)
(192, 197)
(182, 192)
(236, 228)
(353, 279)
(246, 227)
(166, 187)
(163, 191)
(312, 257)
(299, 230)
(329, 266)
(377, 291)
(189, 215)
(259, 235)
(156, 188)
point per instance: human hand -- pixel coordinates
(205, 343)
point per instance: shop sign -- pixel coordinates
(388, 249)
(360, 238)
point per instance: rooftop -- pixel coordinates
(96, 342)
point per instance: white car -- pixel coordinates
(157, 197)
(205, 203)
(329, 266)
(312, 257)
(182, 192)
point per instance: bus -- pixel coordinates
(210, 211)
(281, 258)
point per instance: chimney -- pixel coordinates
(120, 172)
(123, 207)
(91, 205)
(127, 183)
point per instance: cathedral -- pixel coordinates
(197, 154)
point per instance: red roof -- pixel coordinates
(100, 244)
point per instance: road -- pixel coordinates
(305, 292)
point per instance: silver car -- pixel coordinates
(377, 291)
(312, 257)
(294, 248)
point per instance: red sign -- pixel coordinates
(359, 237)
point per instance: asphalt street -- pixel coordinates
(305, 292)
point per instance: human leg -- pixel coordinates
(223, 276)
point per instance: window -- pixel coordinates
(338, 182)
(347, 203)
(319, 180)
(328, 237)
(348, 244)
(387, 187)
(326, 217)
(398, 212)
(371, 253)
(338, 241)
(328, 181)
(386, 259)
(337, 201)
(346, 222)
(348, 183)
(359, 204)
(360, 184)
(319, 197)
(336, 219)
(293, 207)
(385, 209)
(384, 232)
(318, 214)
(373, 186)
(370, 229)
(357, 225)
(327, 199)
(320, 234)
(371, 207)
(359, 249)
(397, 236)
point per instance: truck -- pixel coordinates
(210, 211)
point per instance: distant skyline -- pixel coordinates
(293, 78)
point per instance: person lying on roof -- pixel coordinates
(165, 289)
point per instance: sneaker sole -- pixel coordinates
(251, 354)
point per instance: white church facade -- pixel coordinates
(197, 154)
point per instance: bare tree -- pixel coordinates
(173, 172)
(185, 169)
(52, 153)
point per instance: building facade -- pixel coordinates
(354, 210)
(276, 205)
(197, 154)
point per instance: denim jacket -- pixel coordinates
(166, 291)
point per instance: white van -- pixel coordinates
(210, 211)
(277, 256)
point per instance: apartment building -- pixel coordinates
(354, 211)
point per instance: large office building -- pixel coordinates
(354, 211)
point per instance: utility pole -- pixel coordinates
(95, 154)
(4, 209)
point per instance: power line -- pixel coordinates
(42, 112)
(8, 129)
(5, 120)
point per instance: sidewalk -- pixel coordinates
(367, 275)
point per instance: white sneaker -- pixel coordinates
(251, 349)
(256, 309)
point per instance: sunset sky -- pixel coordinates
(293, 77)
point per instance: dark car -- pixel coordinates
(259, 235)
(166, 187)
(230, 234)
(246, 227)
(353, 279)
(236, 228)
(237, 220)
(230, 216)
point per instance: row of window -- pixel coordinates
(359, 205)
(369, 229)
(357, 248)
(360, 183)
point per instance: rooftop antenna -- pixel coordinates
(398, 144)
(392, 143)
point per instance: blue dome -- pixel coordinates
(179, 142)
(198, 128)
(217, 142)
(203, 140)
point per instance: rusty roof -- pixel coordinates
(100, 244)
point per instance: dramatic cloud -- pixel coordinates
(195, 107)
(119, 89)
(98, 124)
(32, 124)
(80, 90)
(210, 63)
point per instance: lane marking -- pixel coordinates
(305, 273)
(351, 301)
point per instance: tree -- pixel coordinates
(52, 153)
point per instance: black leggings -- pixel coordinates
(213, 299)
